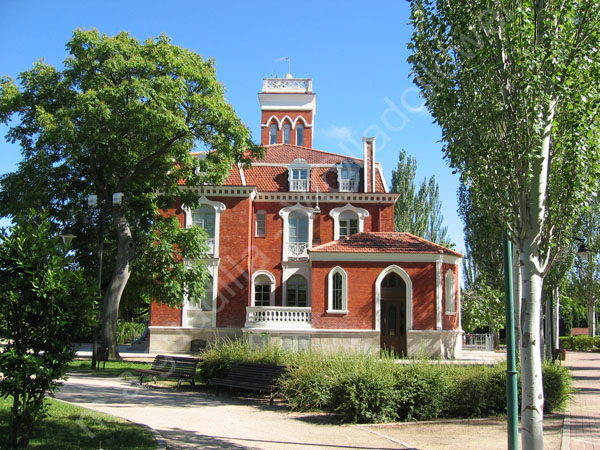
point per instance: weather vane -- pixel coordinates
(285, 58)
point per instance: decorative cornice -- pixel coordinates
(382, 257)
(327, 197)
(223, 191)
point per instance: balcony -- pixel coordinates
(278, 317)
(298, 185)
(348, 185)
(298, 250)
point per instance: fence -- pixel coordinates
(483, 342)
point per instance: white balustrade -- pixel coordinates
(299, 186)
(278, 317)
(298, 249)
(287, 85)
(349, 185)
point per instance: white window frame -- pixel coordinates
(285, 214)
(337, 212)
(352, 169)
(287, 133)
(271, 278)
(449, 293)
(219, 208)
(342, 272)
(299, 165)
(212, 265)
(260, 213)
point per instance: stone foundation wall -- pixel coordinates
(179, 340)
(445, 344)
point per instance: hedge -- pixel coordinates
(369, 388)
(580, 343)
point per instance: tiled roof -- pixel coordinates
(286, 153)
(273, 178)
(383, 243)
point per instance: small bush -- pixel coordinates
(127, 332)
(557, 387)
(580, 343)
(422, 390)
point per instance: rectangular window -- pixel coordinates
(299, 181)
(205, 302)
(261, 224)
(262, 295)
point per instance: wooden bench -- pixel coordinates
(165, 366)
(254, 377)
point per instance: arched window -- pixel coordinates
(300, 134)
(348, 223)
(338, 291)
(273, 133)
(286, 133)
(450, 292)
(262, 291)
(296, 291)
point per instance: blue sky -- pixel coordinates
(354, 51)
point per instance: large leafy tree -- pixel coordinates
(123, 117)
(418, 211)
(515, 89)
(46, 302)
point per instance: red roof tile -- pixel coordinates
(286, 153)
(383, 243)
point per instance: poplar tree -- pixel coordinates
(514, 87)
(418, 211)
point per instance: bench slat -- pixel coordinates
(165, 366)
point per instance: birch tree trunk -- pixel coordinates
(591, 317)
(532, 404)
(120, 276)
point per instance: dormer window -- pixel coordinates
(299, 176)
(287, 131)
(273, 133)
(348, 177)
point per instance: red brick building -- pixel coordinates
(303, 251)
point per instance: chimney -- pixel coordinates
(369, 164)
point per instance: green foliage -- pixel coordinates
(418, 212)
(366, 387)
(580, 343)
(558, 386)
(482, 307)
(46, 301)
(572, 314)
(122, 116)
(127, 332)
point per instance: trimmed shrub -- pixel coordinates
(422, 390)
(580, 343)
(557, 386)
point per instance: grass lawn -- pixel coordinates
(71, 427)
(113, 368)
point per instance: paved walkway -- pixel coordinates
(582, 423)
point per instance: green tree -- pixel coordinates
(122, 117)
(45, 301)
(515, 89)
(418, 212)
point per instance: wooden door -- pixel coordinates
(393, 314)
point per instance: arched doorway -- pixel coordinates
(393, 313)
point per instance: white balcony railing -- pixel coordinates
(277, 317)
(348, 185)
(298, 250)
(302, 85)
(299, 185)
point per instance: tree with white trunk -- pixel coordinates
(515, 87)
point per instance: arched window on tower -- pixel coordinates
(286, 133)
(300, 134)
(273, 133)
